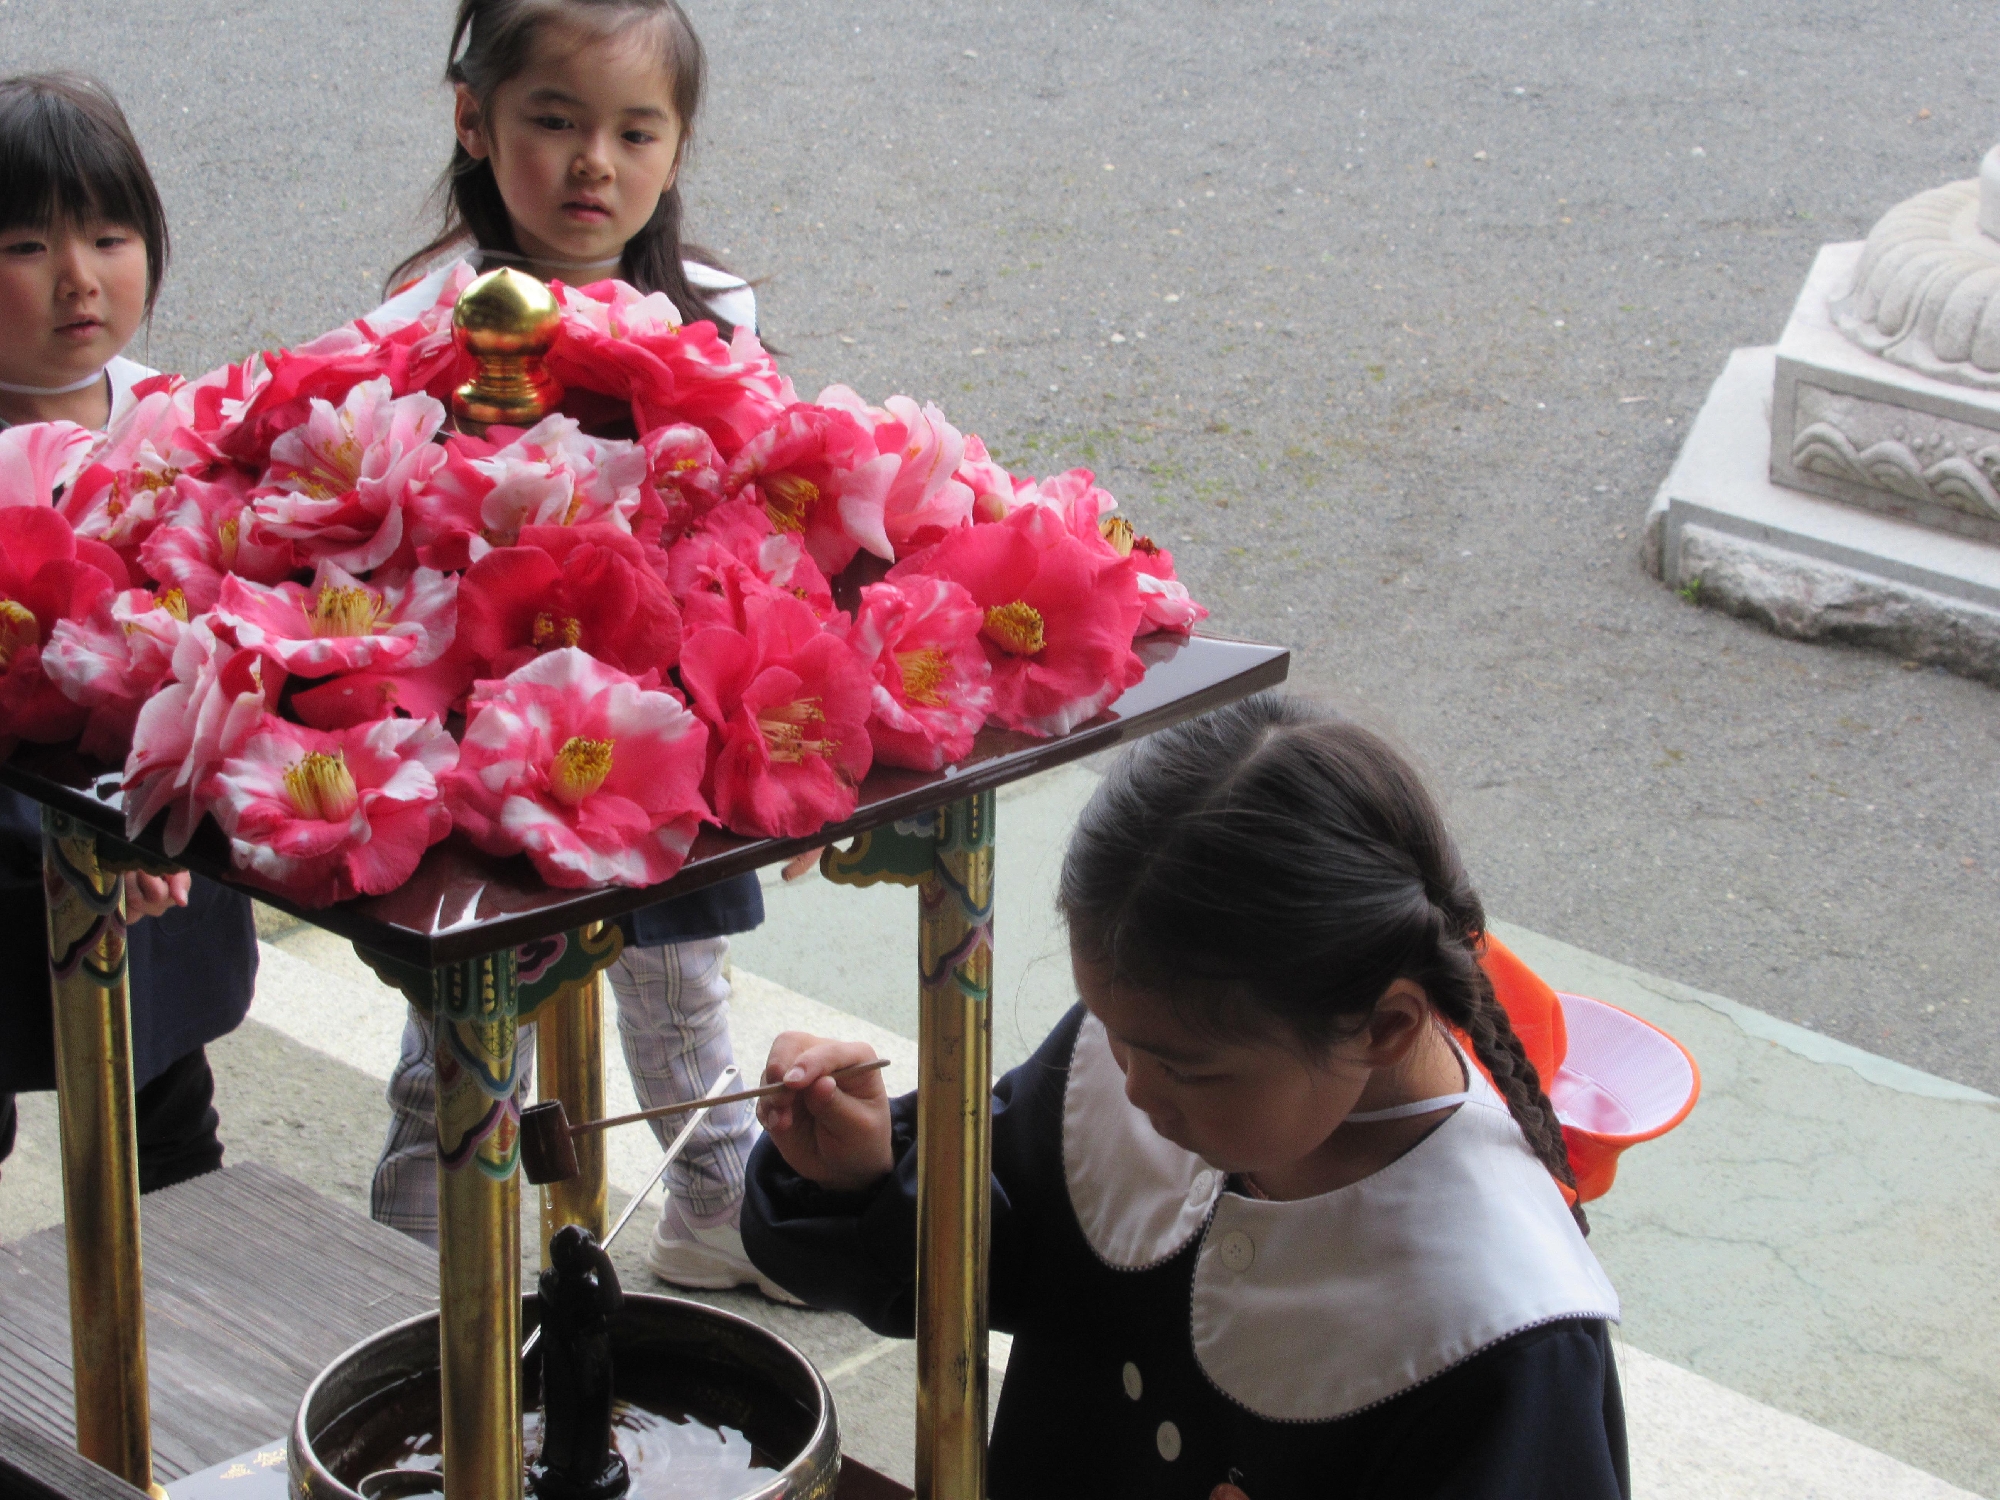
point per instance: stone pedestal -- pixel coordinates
(1810, 567)
(1846, 483)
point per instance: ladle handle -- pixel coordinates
(757, 1093)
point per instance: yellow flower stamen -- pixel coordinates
(1015, 628)
(554, 631)
(336, 469)
(923, 673)
(789, 500)
(785, 729)
(227, 535)
(322, 787)
(1118, 532)
(580, 768)
(342, 611)
(173, 601)
(17, 629)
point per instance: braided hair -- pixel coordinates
(1270, 863)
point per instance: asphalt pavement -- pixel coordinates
(1387, 318)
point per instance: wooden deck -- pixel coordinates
(254, 1283)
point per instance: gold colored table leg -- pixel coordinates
(569, 1044)
(479, 1229)
(954, 1153)
(100, 1154)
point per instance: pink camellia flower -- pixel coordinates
(1059, 617)
(110, 662)
(130, 485)
(789, 703)
(594, 777)
(624, 344)
(585, 586)
(37, 459)
(926, 499)
(337, 482)
(686, 476)
(736, 552)
(933, 683)
(443, 520)
(554, 475)
(337, 623)
(208, 529)
(47, 574)
(279, 389)
(320, 817)
(1164, 599)
(217, 698)
(816, 471)
(993, 488)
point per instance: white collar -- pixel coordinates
(1311, 1310)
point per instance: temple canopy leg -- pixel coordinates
(479, 1229)
(954, 1152)
(85, 892)
(569, 1043)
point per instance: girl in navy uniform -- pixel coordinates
(1280, 1210)
(83, 248)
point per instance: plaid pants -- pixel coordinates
(673, 1025)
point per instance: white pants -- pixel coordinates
(673, 1025)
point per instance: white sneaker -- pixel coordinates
(707, 1257)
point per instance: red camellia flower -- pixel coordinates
(789, 702)
(47, 574)
(1059, 617)
(933, 684)
(733, 554)
(686, 476)
(622, 343)
(594, 777)
(585, 586)
(321, 817)
(817, 473)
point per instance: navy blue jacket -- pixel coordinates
(1535, 1416)
(193, 969)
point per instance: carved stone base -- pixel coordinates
(1854, 427)
(1808, 567)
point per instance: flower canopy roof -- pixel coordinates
(287, 596)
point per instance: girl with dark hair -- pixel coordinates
(83, 249)
(573, 119)
(1280, 1210)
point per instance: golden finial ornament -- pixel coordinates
(507, 321)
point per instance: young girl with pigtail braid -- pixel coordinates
(1280, 1209)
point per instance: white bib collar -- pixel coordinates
(1311, 1310)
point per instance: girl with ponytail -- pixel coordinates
(1282, 1208)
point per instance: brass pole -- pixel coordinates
(954, 1152)
(569, 1047)
(100, 1152)
(479, 1229)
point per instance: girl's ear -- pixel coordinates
(469, 120)
(1396, 1024)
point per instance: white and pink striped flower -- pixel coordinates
(337, 623)
(591, 773)
(337, 482)
(321, 816)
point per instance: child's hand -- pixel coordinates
(152, 895)
(832, 1131)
